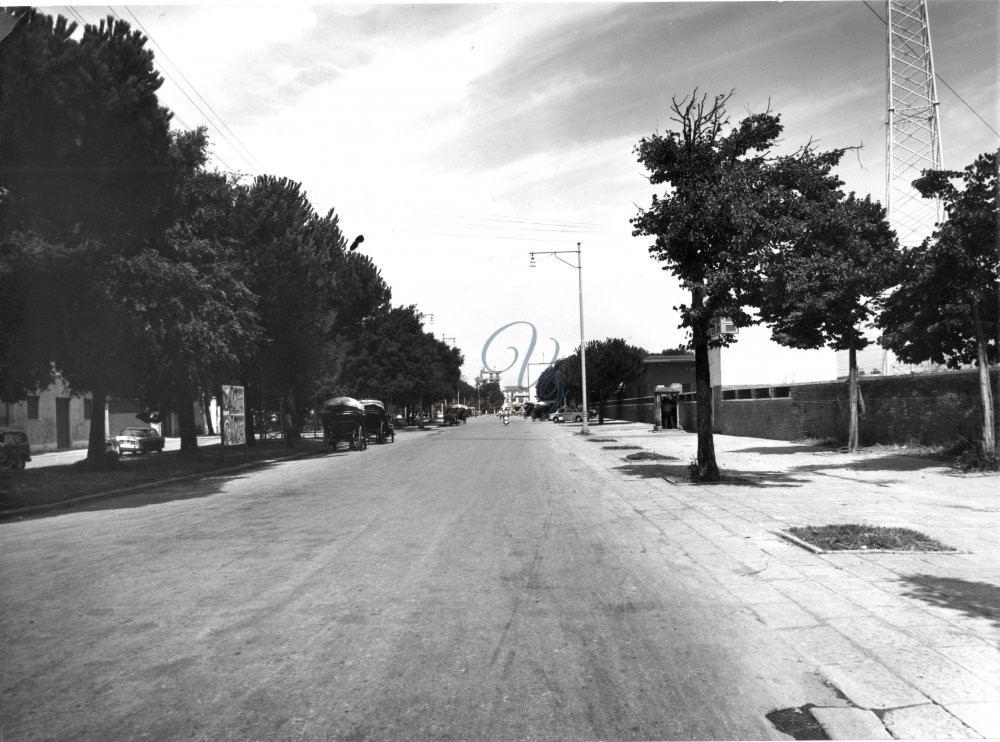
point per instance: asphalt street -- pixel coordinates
(476, 582)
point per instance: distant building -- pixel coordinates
(486, 377)
(661, 370)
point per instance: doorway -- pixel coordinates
(62, 423)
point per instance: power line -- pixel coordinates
(184, 77)
(72, 11)
(167, 75)
(942, 80)
(76, 14)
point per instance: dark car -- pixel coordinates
(14, 449)
(139, 440)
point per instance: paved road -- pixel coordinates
(478, 582)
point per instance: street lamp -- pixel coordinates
(583, 345)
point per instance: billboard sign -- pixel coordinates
(234, 429)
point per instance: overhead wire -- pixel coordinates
(940, 79)
(195, 89)
(167, 75)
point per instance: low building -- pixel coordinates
(661, 370)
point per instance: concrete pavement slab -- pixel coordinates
(981, 660)
(983, 718)
(870, 685)
(927, 721)
(823, 645)
(870, 632)
(936, 676)
(783, 615)
(850, 723)
(861, 611)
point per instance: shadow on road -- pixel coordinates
(199, 486)
(975, 599)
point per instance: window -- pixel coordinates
(88, 408)
(33, 408)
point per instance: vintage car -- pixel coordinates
(139, 440)
(344, 420)
(377, 421)
(14, 449)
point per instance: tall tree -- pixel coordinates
(281, 265)
(826, 284)
(717, 222)
(947, 307)
(85, 171)
(197, 316)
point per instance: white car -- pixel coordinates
(139, 440)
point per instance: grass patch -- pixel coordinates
(862, 537)
(602, 440)
(54, 484)
(649, 456)
(621, 448)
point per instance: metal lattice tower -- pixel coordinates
(913, 131)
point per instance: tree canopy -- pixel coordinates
(946, 308)
(825, 286)
(730, 203)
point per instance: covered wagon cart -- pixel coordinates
(377, 421)
(344, 420)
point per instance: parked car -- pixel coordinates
(14, 449)
(139, 440)
(571, 414)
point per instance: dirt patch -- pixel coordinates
(649, 456)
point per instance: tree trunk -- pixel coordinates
(989, 441)
(852, 397)
(707, 469)
(98, 435)
(185, 421)
(249, 432)
(206, 404)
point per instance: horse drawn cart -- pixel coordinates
(378, 422)
(344, 420)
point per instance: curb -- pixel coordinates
(31, 509)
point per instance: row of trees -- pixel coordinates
(610, 363)
(756, 236)
(132, 271)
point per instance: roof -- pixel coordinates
(689, 358)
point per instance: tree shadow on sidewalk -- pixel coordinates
(880, 463)
(680, 474)
(975, 599)
(793, 448)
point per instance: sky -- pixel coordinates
(458, 138)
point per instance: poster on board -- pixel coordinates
(234, 428)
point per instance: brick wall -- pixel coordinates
(927, 408)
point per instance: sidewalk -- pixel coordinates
(911, 640)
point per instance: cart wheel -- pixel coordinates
(362, 439)
(391, 437)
